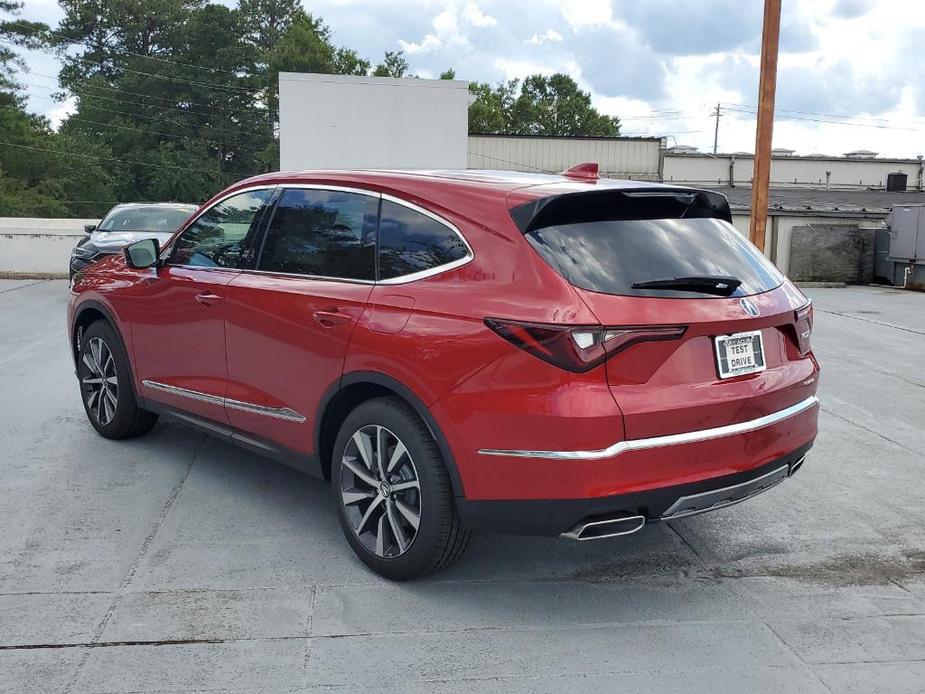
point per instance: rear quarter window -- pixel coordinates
(412, 242)
(611, 256)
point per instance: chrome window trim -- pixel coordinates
(285, 413)
(296, 275)
(661, 441)
(401, 279)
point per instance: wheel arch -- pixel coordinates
(85, 315)
(357, 387)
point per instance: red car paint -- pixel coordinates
(281, 341)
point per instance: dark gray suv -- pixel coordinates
(126, 223)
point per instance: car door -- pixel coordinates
(289, 320)
(177, 315)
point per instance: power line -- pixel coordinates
(782, 115)
(78, 42)
(88, 97)
(815, 113)
(148, 74)
(111, 125)
(141, 94)
(161, 120)
(121, 161)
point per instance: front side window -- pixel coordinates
(411, 242)
(322, 233)
(218, 238)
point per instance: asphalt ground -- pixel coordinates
(176, 562)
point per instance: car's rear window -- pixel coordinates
(611, 256)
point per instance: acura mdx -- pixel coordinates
(459, 351)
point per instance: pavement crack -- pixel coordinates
(687, 544)
(870, 431)
(162, 516)
(868, 320)
(130, 574)
(108, 644)
(23, 286)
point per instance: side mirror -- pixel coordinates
(89, 228)
(142, 254)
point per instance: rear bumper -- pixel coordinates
(551, 517)
(637, 465)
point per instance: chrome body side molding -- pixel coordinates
(285, 413)
(661, 441)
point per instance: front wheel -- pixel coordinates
(106, 385)
(394, 498)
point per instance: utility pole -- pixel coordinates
(716, 132)
(770, 38)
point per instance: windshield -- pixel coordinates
(161, 218)
(612, 256)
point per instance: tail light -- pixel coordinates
(578, 348)
(803, 319)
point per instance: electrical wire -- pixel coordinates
(121, 161)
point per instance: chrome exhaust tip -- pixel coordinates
(794, 467)
(610, 527)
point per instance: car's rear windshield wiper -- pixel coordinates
(721, 286)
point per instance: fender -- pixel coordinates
(110, 315)
(105, 309)
(400, 389)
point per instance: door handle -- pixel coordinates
(329, 319)
(207, 298)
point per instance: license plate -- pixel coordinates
(738, 354)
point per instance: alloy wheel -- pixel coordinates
(99, 381)
(380, 491)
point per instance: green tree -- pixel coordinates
(393, 65)
(112, 33)
(490, 112)
(542, 105)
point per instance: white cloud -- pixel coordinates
(448, 30)
(473, 14)
(61, 111)
(549, 35)
(583, 14)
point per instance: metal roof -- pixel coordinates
(794, 199)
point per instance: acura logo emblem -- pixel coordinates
(749, 307)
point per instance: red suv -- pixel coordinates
(463, 351)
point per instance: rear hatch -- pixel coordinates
(722, 336)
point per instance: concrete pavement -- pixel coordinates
(178, 563)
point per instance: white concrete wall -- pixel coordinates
(631, 158)
(339, 122)
(702, 169)
(39, 246)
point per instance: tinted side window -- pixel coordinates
(218, 237)
(411, 242)
(327, 233)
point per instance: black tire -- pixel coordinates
(125, 419)
(439, 539)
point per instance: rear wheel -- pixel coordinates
(395, 501)
(106, 385)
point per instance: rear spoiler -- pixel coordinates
(624, 203)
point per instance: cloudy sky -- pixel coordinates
(851, 72)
